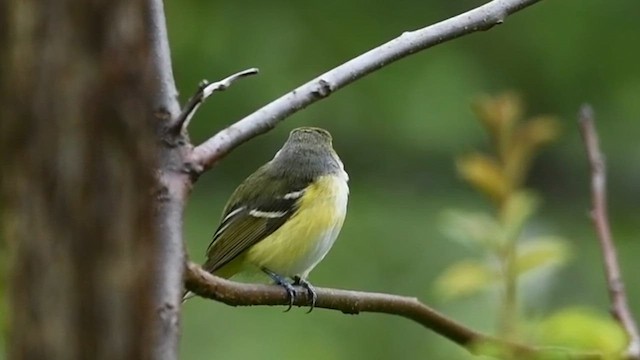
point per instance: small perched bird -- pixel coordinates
(284, 218)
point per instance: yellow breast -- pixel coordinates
(303, 241)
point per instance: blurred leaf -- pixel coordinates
(516, 211)
(540, 130)
(492, 350)
(499, 114)
(470, 228)
(582, 329)
(540, 253)
(484, 174)
(464, 278)
(529, 137)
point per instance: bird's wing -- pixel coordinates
(248, 222)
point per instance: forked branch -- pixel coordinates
(206, 89)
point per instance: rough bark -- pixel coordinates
(77, 155)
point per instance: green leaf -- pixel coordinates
(518, 208)
(542, 253)
(499, 114)
(524, 145)
(485, 174)
(470, 228)
(464, 278)
(582, 329)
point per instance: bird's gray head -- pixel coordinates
(308, 152)
(309, 137)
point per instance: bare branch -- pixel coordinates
(202, 283)
(619, 305)
(165, 98)
(262, 120)
(171, 192)
(205, 89)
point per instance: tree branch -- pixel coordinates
(206, 89)
(232, 293)
(165, 97)
(617, 294)
(204, 284)
(173, 184)
(262, 120)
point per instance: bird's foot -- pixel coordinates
(280, 280)
(297, 280)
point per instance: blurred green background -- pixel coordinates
(398, 132)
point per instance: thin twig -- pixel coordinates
(205, 89)
(619, 305)
(265, 118)
(202, 283)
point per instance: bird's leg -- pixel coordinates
(280, 280)
(297, 280)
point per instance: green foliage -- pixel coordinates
(500, 238)
(464, 278)
(541, 253)
(581, 329)
(474, 229)
(500, 176)
(470, 276)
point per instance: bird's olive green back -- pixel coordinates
(242, 230)
(307, 155)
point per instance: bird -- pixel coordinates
(284, 218)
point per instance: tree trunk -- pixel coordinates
(78, 157)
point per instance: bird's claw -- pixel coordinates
(281, 281)
(311, 292)
(291, 294)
